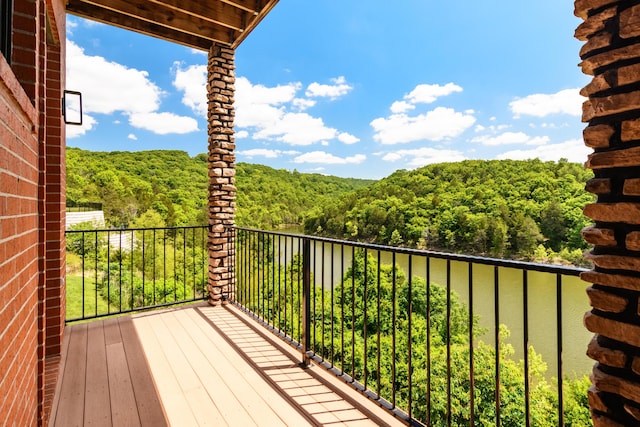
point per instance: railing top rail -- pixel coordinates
(521, 265)
(114, 230)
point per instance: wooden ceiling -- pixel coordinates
(193, 23)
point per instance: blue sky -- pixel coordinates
(349, 88)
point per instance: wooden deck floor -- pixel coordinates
(197, 366)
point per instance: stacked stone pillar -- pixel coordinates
(222, 190)
(611, 54)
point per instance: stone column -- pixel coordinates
(222, 190)
(611, 54)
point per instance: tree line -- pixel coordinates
(501, 208)
(171, 185)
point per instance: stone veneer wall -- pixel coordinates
(611, 54)
(222, 190)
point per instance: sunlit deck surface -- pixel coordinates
(194, 366)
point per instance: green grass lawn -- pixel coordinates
(75, 307)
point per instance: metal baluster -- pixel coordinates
(525, 320)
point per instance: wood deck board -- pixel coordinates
(222, 398)
(277, 366)
(245, 382)
(97, 406)
(191, 366)
(63, 362)
(71, 408)
(123, 402)
(149, 407)
(180, 348)
(173, 400)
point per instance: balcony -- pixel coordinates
(393, 335)
(196, 365)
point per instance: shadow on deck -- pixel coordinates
(193, 366)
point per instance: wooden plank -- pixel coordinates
(229, 319)
(216, 12)
(97, 404)
(64, 351)
(175, 405)
(143, 27)
(203, 405)
(248, 5)
(162, 15)
(123, 406)
(71, 406)
(203, 376)
(148, 403)
(111, 331)
(246, 381)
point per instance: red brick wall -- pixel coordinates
(18, 252)
(53, 302)
(32, 214)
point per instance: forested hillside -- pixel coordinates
(503, 208)
(268, 198)
(170, 185)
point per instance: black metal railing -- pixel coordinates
(440, 339)
(124, 270)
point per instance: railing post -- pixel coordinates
(229, 295)
(306, 300)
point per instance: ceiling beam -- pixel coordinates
(144, 27)
(157, 15)
(217, 12)
(263, 7)
(193, 23)
(251, 6)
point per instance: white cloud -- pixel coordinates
(401, 107)
(347, 138)
(270, 113)
(303, 104)
(337, 89)
(258, 106)
(74, 131)
(192, 81)
(511, 138)
(108, 86)
(260, 152)
(260, 94)
(427, 94)
(392, 157)
(419, 157)
(436, 125)
(297, 129)
(266, 111)
(132, 137)
(573, 150)
(322, 157)
(163, 123)
(568, 101)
